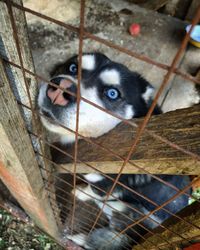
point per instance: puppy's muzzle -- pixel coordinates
(57, 95)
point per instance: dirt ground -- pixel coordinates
(16, 235)
(160, 38)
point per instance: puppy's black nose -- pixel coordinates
(58, 96)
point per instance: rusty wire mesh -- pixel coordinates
(64, 202)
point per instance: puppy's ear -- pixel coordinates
(148, 96)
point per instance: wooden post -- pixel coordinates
(180, 127)
(19, 169)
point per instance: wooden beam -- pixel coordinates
(180, 127)
(18, 167)
(178, 228)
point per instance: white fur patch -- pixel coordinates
(42, 94)
(111, 206)
(93, 177)
(87, 113)
(129, 113)
(88, 62)
(69, 138)
(106, 209)
(79, 239)
(85, 194)
(117, 205)
(57, 129)
(110, 77)
(148, 94)
(91, 117)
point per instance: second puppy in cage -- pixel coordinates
(113, 87)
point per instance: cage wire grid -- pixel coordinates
(170, 69)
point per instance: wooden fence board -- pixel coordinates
(19, 168)
(180, 127)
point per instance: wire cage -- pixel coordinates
(44, 188)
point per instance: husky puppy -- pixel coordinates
(108, 84)
(124, 93)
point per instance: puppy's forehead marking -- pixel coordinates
(110, 77)
(88, 62)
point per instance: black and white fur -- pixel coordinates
(98, 75)
(114, 87)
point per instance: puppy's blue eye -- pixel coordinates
(73, 68)
(113, 94)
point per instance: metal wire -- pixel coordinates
(105, 42)
(128, 122)
(90, 206)
(88, 212)
(171, 69)
(119, 183)
(149, 113)
(125, 187)
(78, 99)
(110, 151)
(136, 210)
(85, 228)
(17, 43)
(153, 211)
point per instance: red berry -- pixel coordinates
(134, 29)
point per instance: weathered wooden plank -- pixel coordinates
(161, 166)
(180, 126)
(186, 230)
(192, 10)
(19, 169)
